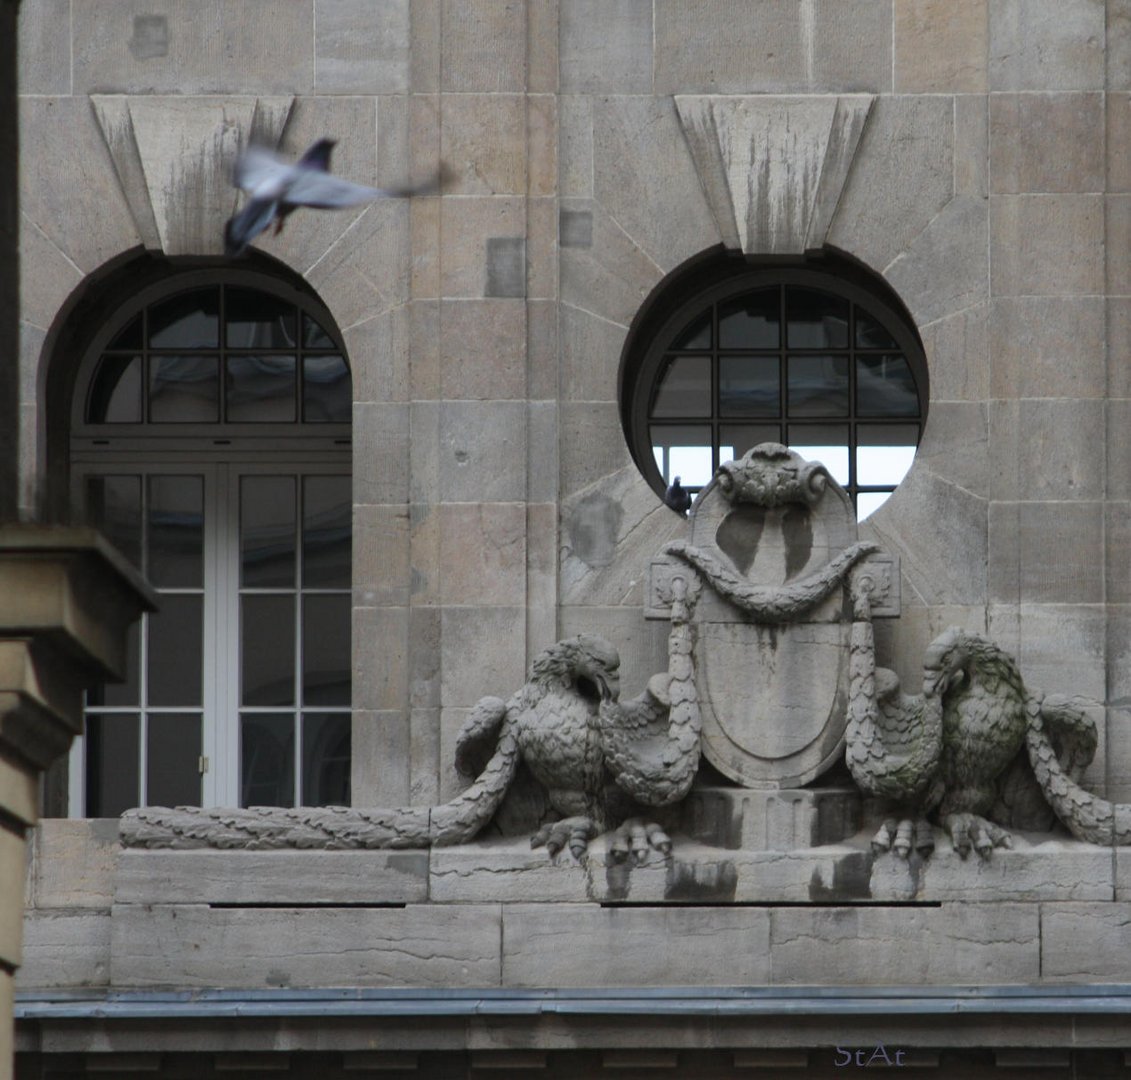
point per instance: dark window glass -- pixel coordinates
(326, 759)
(115, 391)
(326, 650)
(816, 320)
(258, 320)
(189, 320)
(129, 337)
(327, 391)
(184, 389)
(267, 531)
(114, 508)
(752, 321)
(176, 532)
(818, 385)
(684, 388)
(327, 516)
(871, 334)
(174, 668)
(885, 387)
(113, 744)
(313, 336)
(172, 771)
(696, 335)
(122, 693)
(736, 439)
(749, 386)
(267, 759)
(260, 389)
(267, 647)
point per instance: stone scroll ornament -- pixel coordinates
(604, 764)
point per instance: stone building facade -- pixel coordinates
(965, 157)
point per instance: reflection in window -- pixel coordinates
(805, 366)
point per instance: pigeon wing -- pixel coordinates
(257, 168)
(311, 187)
(248, 224)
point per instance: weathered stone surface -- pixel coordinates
(379, 357)
(575, 147)
(44, 47)
(542, 144)
(508, 871)
(482, 553)
(783, 820)
(361, 47)
(1118, 234)
(1062, 649)
(541, 252)
(199, 47)
(902, 177)
(482, 451)
(414, 945)
(971, 145)
(1118, 142)
(580, 945)
(380, 646)
(941, 46)
(1086, 942)
(1046, 45)
(1046, 245)
(483, 46)
(606, 47)
(483, 142)
(482, 349)
(831, 45)
(73, 863)
(380, 747)
(68, 188)
(642, 645)
(1058, 459)
(264, 877)
(590, 351)
(542, 453)
(47, 278)
(469, 226)
(65, 949)
(381, 555)
(381, 455)
(592, 446)
(955, 444)
(957, 943)
(424, 757)
(1046, 142)
(542, 21)
(1048, 347)
(484, 652)
(958, 358)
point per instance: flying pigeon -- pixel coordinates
(678, 499)
(276, 187)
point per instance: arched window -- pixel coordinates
(727, 355)
(210, 442)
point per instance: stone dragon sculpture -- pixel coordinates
(601, 761)
(977, 750)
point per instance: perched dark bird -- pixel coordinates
(678, 499)
(276, 187)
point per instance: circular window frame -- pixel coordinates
(84, 434)
(717, 276)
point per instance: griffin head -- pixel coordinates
(587, 662)
(957, 656)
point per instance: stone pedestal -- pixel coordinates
(66, 601)
(784, 820)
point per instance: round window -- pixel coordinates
(731, 356)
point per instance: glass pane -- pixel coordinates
(870, 334)
(326, 650)
(696, 335)
(685, 388)
(885, 387)
(736, 439)
(868, 502)
(826, 443)
(172, 771)
(176, 532)
(752, 321)
(749, 386)
(327, 391)
(267, 531)
(326, 759)
(184, 389)
(267, 759)
(260, 388)
(113, 506)
(267, 650)
(123, 693)
(313, 336)
(818, 385)
(188, 321)
(817, 320)
(129, 337)
(256, 320)
(327, 525)
(174, 667)
(115, 391)
(684, 451)
(112, 748)
(884, 453)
